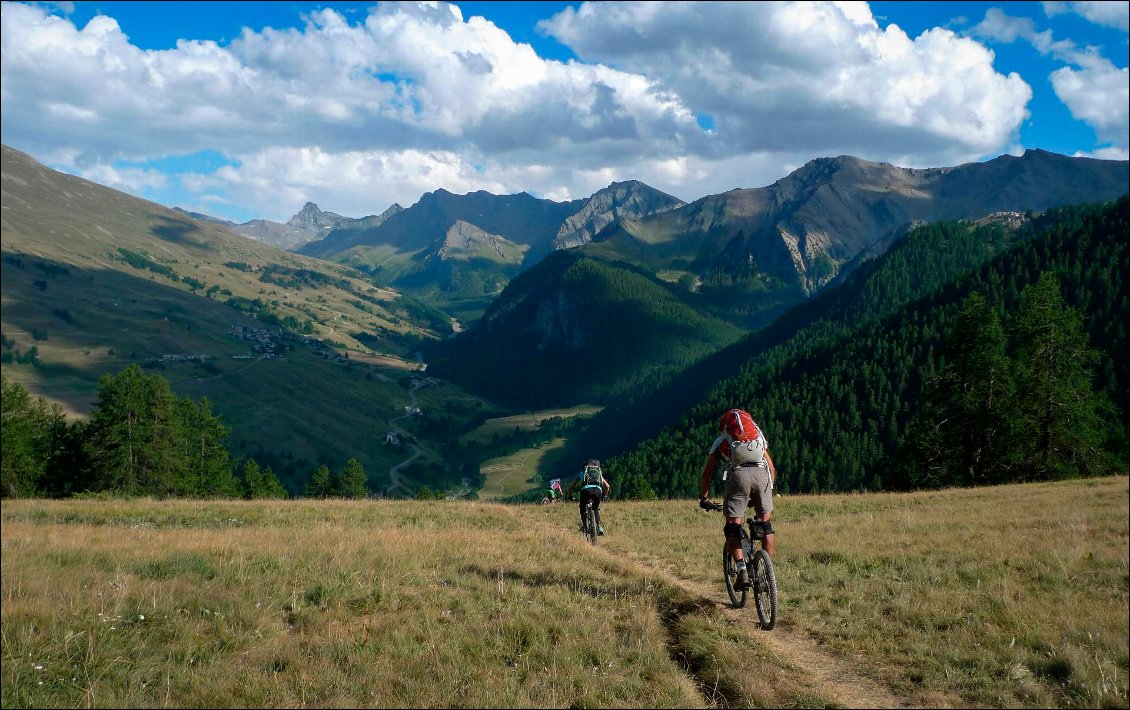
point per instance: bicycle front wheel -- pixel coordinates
(765, 589)
(730, 575)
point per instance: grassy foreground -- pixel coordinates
(1005, 597)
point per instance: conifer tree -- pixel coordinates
(272, 488)
(1060, 417)
(354, 482)
(960, 435)
(132, 434)
(203, 450)
(31, 432)
(251, 480)
(321, 484)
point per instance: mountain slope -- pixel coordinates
(620, 200)
(836, 397)
(93, 279)
(401, 252)
(772, 246)
(575, 329)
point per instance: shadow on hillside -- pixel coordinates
(178, 231)
(98, 321)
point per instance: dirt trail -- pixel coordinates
(833, 676)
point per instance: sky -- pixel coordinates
(248, 110)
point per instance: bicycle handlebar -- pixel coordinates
(709, 505)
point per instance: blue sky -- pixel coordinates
(247, 110)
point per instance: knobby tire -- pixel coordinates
(765, 589)
(590, 523)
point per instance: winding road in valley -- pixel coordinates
(396, 481)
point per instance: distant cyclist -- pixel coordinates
(741, 444)
(553, 492)
(594, 486)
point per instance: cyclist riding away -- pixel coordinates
(554, 490)
(594, 486)
(741, 444)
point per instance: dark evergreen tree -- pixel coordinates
(203, 450)
(251, 480)
(960, 435)
(354, 482)
(132, 434)
(272, 487)
(32, 432)
(321, 484)
(1062, 420)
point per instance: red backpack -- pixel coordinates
(746, 443)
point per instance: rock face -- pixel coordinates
(465, 241)
(308, 225)
(620, 200)
(805, 227)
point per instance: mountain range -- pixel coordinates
(602, 300)
(775, 245)
(309, 224)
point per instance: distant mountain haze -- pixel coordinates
(768, 246)
(309, 224)
(746, 256)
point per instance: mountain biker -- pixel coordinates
(554, 489)
(594, 486)
(741, 444)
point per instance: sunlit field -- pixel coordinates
(1013, 596)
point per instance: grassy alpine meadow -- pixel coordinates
(148, 603)
(1009, 596)
(1014, 596)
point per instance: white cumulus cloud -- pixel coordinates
(1091, 86)
(358, 114)
(1108, 13)
(813, 77)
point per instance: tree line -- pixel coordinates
(141, 440)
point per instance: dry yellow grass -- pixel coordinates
(1004, 597)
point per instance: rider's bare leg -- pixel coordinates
(770, 541)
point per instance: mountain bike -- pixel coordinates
(762, 576)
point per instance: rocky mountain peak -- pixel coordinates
(312, 217)
(631, 199)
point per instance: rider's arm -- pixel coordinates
(772, 468)
(572, 485)
(707, 472)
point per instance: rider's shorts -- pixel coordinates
(745, 485)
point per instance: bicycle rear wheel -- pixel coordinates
(590, 524)
(730, 575)
(764, 589)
